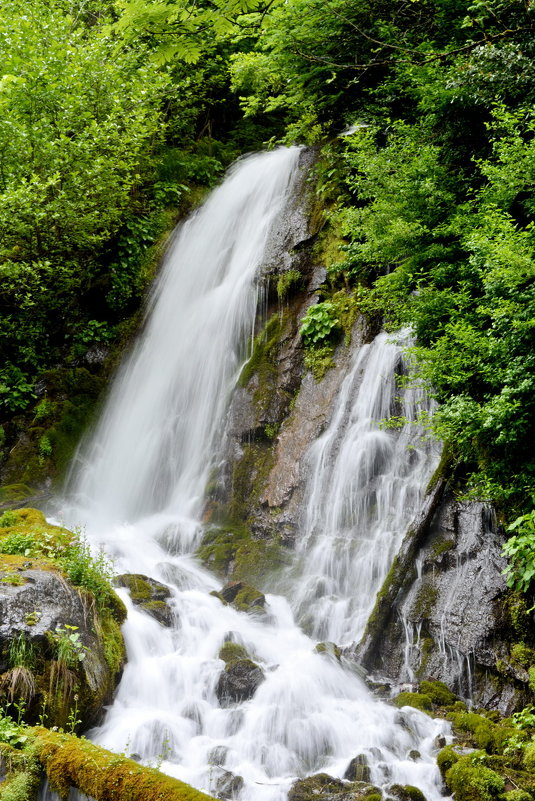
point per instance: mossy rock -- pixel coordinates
(232, 651)
(492, 737)
(517, 795)
(150, 595)
(231, 551)
(358, 769)
(419, 701)
(529, 757)
(239, 681)
(446, 757)
(329, 649)
(319, 786)
(438, 692)
(470, 780)
(243, 597)
(405, 792)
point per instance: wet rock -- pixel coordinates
(149, 594)
(405, 792)
(321, 786)
(329, 649)
(243, 597)
(358, 769)
(218, 755)
(32, 610)
(239, 681)
(228, 786)
(454, 607)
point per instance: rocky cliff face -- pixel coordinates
(444, 611)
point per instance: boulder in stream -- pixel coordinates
(241, 677)
(150, 595)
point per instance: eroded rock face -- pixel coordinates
(446, 617)
(34, 610)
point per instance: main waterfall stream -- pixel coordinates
(138, 487)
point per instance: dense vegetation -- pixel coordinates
(113, 111)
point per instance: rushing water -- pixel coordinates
(365, 486)
(138, 488)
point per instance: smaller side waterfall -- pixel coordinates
(365, 485)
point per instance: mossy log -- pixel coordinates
(72, 762)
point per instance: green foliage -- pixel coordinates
(287, 282)
(8, 519)
(21, 652)
(69, 647)
(92, 572)
(520, 550)
(11, 732)
(319, 323)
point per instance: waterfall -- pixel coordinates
(137, 487)
(365, 486)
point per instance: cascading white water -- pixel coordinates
(366, 483)
(139, 491)
(156, 438)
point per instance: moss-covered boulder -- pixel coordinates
(150, 595)
(419, 701)
(471, 780)
(61, 648)
(405, 792)
(322, 787)
(243, 597)
(241, 677)
(358, 769)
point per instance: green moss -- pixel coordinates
(470, 780)
(443, 468)
(446, 757)
(249, 476)
(416, 700)
(329, 648)
(52, 429)
(425, 600)
(288, 282)
(522, 654)
(140, 590)
(232, 553)
(112, 641)
(518, 616)
(22, 786)
(104, 776)
(438, 692)
(490, 736)
(249, 600)
(232, 652)
(319, 359)
(263, 359)
(442, 546)
(517, 795)
(529, 757)
(406, 792)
